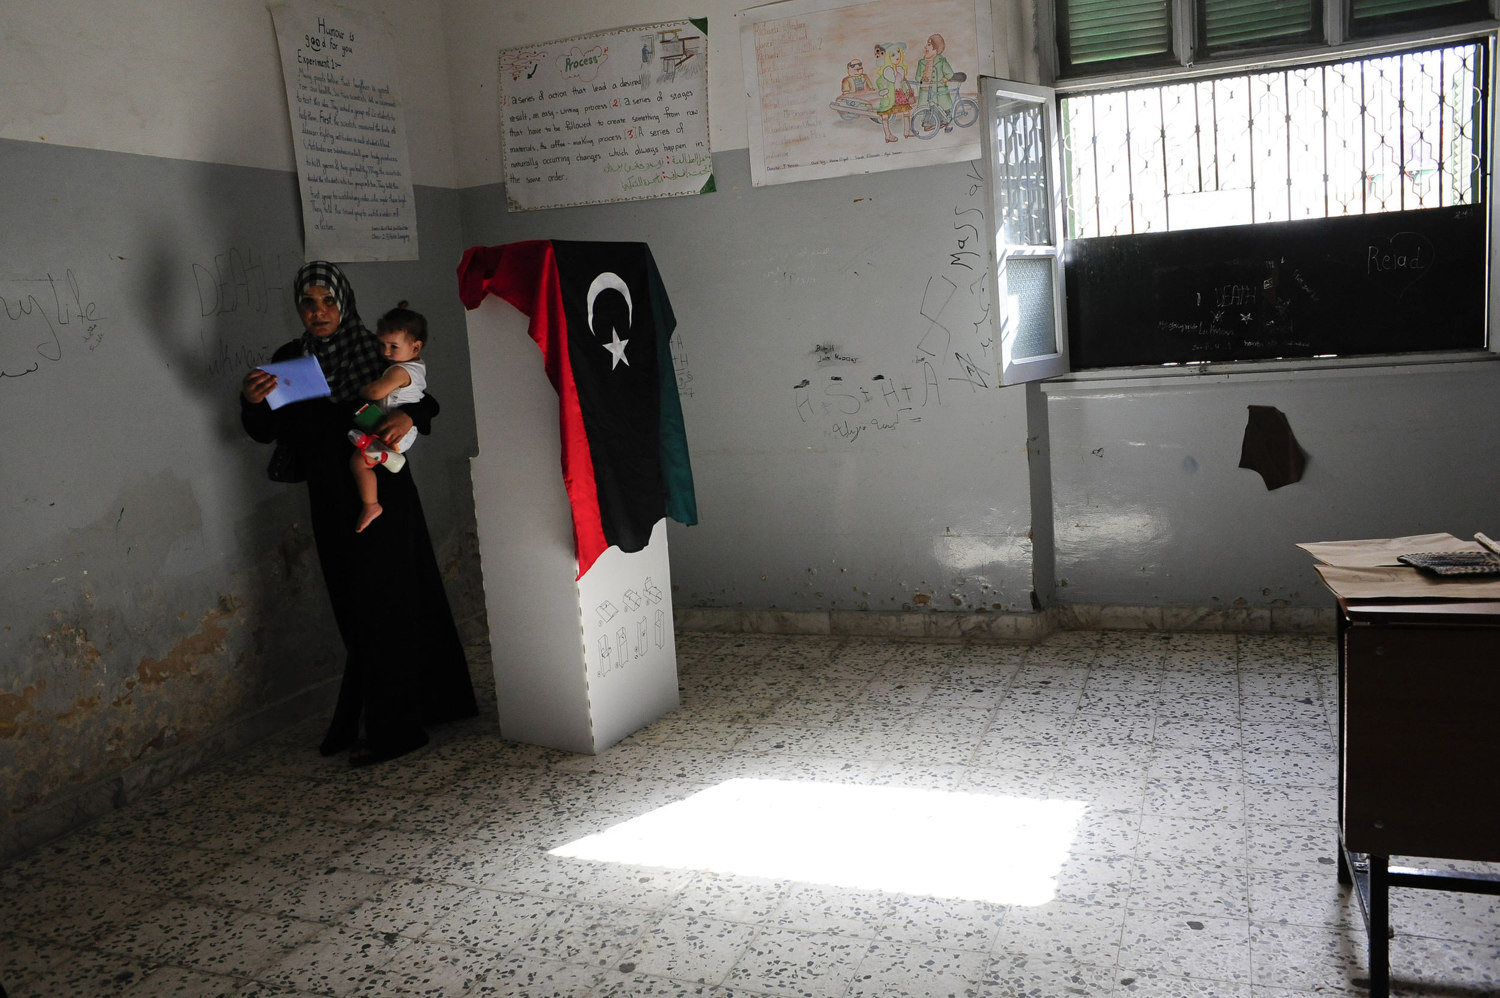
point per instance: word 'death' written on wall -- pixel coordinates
(618, 116)
(348, 133)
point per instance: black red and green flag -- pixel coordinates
(601, 317)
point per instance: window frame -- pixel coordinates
(1337, 46)
(1188, 59)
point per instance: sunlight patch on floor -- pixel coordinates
(936, 843)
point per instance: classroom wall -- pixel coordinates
(850, 449)
(160, 603)
(1152, 510)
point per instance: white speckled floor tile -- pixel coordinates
(524, 976)
(898, 970)
(690, 948)
(434, 970)
(1201, 863)
(727, 896)
(492, 921)
(590, 934)
(65, 913)
(1307, 957)
(1123, 676)
(1289, 804)
(1308, 848)
(1215, 708)
(1211, 800)
(799, 964)
(1173, 731)
(1164, 986)
(394, 852)
(327, 896)
(1307, 898)
(1197, 841)
(833, 910)
(1010, 975)
(182, 982)
(1095, 880)
(946, 923)
(1201, 890)
(165, 932)
(1063, 931)
(617, 985)
(248, 944)
(1283, 710)
(335, 962)
(1180, 945)
(1425, 965)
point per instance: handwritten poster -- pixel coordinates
(616, 116)
(855, 86)
(348, 133)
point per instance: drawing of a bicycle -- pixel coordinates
(928, 117)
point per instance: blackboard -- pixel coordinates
(1365, 284)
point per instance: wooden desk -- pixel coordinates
(1419, 751)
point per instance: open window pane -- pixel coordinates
(1021, 149)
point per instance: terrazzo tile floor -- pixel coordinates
(1103, 813)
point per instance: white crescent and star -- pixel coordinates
(616, 347)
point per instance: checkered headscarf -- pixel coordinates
(350, 357)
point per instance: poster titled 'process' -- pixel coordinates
(607, 117)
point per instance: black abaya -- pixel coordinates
(405, 664)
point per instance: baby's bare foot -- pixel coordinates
(367, 516)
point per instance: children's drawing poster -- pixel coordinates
(615, 116)
(348, 133)
(854, 86)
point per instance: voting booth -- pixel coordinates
(582, 455)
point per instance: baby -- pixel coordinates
(402, 333)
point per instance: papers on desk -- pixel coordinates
(1369, 569)
(296, 379)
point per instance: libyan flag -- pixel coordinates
(601, 317)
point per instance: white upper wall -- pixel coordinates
(479, 29)
(202, 81)
(193, 80)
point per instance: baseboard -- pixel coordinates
(1026, 627)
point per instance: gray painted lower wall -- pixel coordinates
(160, 602)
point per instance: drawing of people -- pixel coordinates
(933, 74)
(896, 92)
(856, 84)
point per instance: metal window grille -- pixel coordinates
(1385, 133)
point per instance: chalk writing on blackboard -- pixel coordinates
(1347, 286)
(41, 317)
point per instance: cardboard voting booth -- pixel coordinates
(572, 484)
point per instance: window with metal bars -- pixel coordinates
(1386, 133)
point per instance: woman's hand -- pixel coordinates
(257, 385)
(393, 427)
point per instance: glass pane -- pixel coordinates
(1028, 304)
(1388, 133)
(1022, 199)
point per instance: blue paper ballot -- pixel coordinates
(296, 379)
